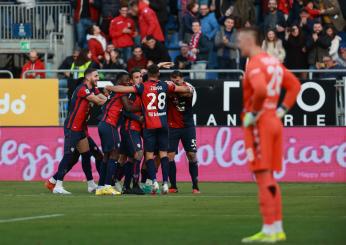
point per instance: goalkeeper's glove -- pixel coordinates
(281, 111)
(249, 119)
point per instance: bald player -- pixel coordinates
(264, 78)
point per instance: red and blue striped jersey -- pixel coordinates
(112, 111)
(80, 108)
(154, 102)
(180, 113)
(130, 123)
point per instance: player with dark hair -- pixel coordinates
(76, 141)
(133, 140)
(153, 94)
(110, 141)
(182, 128)
(264, 78)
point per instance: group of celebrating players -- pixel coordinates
(160, 112)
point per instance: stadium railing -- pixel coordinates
(43, 18)
(236, 74)
(7, 72)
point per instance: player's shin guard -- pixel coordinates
(128, 171)
(193, 169)
(103, 172)
(173, 174)
(165, 169)
(64, 166)
(86, 165)
(151, 169)
(111, 170)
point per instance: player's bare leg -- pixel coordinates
(267, 196)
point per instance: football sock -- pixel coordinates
(193, 169)
(128, 171)
(86, 165)
(74, 160)
(63, 166)
(278, 203)
(58, 184)
(52, 180)
(165, 169)
(267, 192)
(144, 175)
(103, 173)
(268, 229)
(98, 163)
(136, 168)
(278, 226)
(120, 173)
(151, 169)
(111, 170)
(173, 174)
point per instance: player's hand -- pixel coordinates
(281, 111)
(249, 119)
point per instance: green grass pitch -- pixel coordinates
(223, 214)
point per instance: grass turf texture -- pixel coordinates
(223, 214)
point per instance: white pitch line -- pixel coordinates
(30, 218)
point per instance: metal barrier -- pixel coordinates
(67, 70)
(7, 72)
(43, 17)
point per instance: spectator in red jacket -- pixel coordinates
(147, 20)
(313, 12)
(34, 63)
(122, 30)
(137, 60)
(97, 43)
(85, 14)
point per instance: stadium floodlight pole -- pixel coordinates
(7, 72)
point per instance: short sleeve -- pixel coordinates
(83, 92)
(139, 88)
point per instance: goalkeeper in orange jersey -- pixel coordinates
(264, 78)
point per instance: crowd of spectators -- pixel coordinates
(114, 34)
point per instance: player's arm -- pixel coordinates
(292, 86)
(133, 116)
(102, 96)
(258, 83)
(127, 105)
(96, 99)
(121, 89)
(189, 94)
(179, 89)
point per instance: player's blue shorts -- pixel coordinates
(133, 142)
(155, 139)
(187, 137)
(109, 137)
(71, 140)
